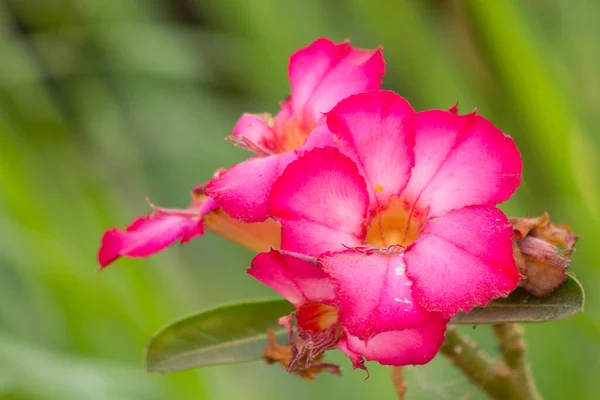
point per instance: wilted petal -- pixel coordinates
(462, 260)
(296, 280)
(375, 126)
(544, 267)
(373, 293)
(543, 252)
(243, 190)
(323, 73)
(146, 236)
(406, 347)
(321, 195)
(276, 353)
(461, 160)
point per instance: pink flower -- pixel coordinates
(321, 75)
(308, 288)
(148, 235)
(402, 220)
(235, 203)
(155, 232)
(411, 334)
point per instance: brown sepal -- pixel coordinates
(283, 354)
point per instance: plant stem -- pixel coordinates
(490, 376)
(399, 382)
(511, 345)
(495, 377)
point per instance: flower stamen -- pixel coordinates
(394, 226)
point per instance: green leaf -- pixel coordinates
(237, 332)
(226, 334)
(520, 306)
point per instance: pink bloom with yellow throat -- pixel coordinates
(396, 209)
(321, 74)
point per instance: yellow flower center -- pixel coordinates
(287, 134)
(398, 224)
(317, 316)
(292, 135)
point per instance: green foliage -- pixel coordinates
(520, 306)
(222, 335)
(106, 102)
(237, 332)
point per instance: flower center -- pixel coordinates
(316, 317)
(288, 134)
(318, 331)
(398, 224)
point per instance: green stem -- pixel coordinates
(494, 377)
(511, 345)
(490, 376)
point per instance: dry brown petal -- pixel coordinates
(543, 228)
(283, 354)
(542, 251)
(522, 226)
(542, 280)
(519, 258)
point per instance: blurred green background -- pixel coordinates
(105, 102)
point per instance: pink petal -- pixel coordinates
(462, 260)
(357, 359)
(243, 190)
(253, 127)
(324, 73)
(373, 293)
(461, 160)
(320, 195)
(285, 111)
(406, 347)
(256, 236)
(298, 281)
(314, 239)
(146, 236)
(374, 125)
(321, 136)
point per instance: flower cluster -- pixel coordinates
(377, 222)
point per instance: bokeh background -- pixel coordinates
(106, 102)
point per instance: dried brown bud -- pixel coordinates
(277, 353)
(542, 251)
